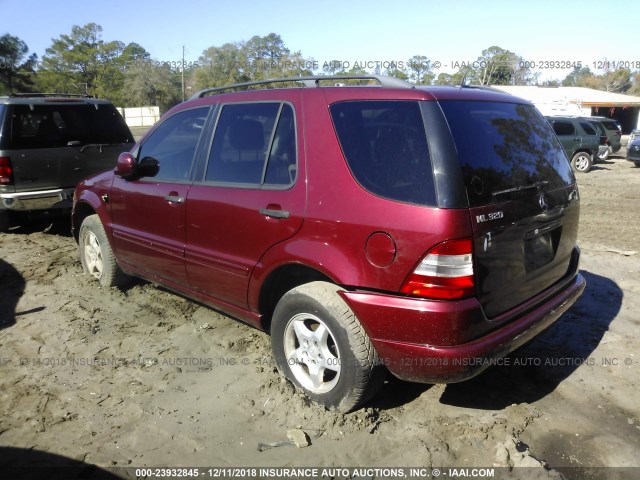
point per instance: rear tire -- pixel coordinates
(582, 162)
(320, 346)
(96, 255)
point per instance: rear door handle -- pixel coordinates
(275, 213)
(174, 198)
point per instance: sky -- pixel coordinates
(448, 32)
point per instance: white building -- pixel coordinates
(581, 101)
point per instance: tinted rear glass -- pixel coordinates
(385, 145)
(598, 127)
(609, 125)
(46, 126)
(589, 130)
(505, 150)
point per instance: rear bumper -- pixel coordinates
(38, 200)
(442, 362)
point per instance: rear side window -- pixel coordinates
(254, 144)
(587, 128)
(563, 128)
(609, 125)
(599, 128)
(505, 150)
(47, 126)
(385, 146)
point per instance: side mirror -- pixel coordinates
(125, 166)
(148, 167)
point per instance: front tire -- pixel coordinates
(96, 255)
(320, 346)
(581, 162)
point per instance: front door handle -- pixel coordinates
(174, 198)
(275, 213)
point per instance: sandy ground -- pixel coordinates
(143, 377)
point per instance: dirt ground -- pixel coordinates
(144, 377)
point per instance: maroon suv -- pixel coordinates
(422, 231)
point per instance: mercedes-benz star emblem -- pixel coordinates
(542, 201)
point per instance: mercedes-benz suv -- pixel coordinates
(419, 230)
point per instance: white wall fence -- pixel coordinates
(140, 116)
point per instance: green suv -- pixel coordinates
(579, 140)
(48, 143)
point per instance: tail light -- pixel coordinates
(445, 273)
(6, 171)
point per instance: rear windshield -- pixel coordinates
(505, 150)
(385, 145)
(46, 126)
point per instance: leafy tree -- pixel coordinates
(146, 83)
(265, 52)
(259, 58)
(419, 68)
(579, 77)
(82, 62)
(222, 65)
(334, 67)
(134, 53)
(618, 81)
(397, 72)
(497, 66)
(635, 85)
(449, 79)
(16, 69)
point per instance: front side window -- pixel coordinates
(254, 144)
(173, 144)
(385, 145)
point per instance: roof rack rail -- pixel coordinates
(26, 95)
(484, 87)
(310, 81)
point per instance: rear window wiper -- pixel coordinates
(537, 186)
(77, 143)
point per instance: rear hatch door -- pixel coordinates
(523, 199)
(55, 145)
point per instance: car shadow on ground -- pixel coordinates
(27, 464)
(536, 369)
(53, 225)
(13, 285)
